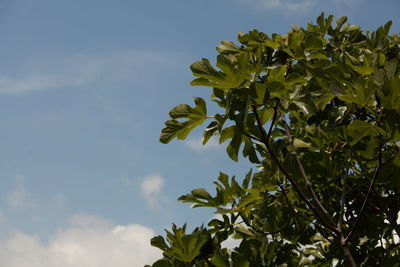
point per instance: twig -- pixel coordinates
(304, 175)
(376, 172)
(258, 230)
(342, 200)
(252, 137)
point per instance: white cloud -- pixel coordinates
(151, 188)
(52, 71)
(152, 184)
(19, 197)
(195, 144)
(88, 241)
(285, 5)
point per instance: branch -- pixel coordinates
(258, 230)
(304, 175)
(346, 251)
(264, 138)
(342, 200)
(320, 226)
(371, 188)
(377, 169)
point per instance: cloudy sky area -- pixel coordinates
(85, 86)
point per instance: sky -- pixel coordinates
(85, 87)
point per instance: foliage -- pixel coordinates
(318, 113)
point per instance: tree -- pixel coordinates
(318, 113)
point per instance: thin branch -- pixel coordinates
(376, 172)
(304, 175)
(342, 200)
(273, 120)
(258, 230)
(330, 225)
(380, 201)
(252, 137)
(392, 157)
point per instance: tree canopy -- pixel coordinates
(317, 111)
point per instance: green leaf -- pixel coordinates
(294, 39)
(226, 134)
(228, 47)
(390, 68)
(246, 180)
(244, 231)
(181, 111)
(336, 89)
(312, 43)
(173, 129)
(201, 193)
(219, 261)
(214, 128)
(234, 146)
(253, 195)
(180, 129)
(306, 107)
(359, 129)
(204, 69)
(380, 77)
(235, 71)
(339, 22)
(202, 82)
(162, 263)
(300, 143)
(159, 242)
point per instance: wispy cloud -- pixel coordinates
(76, 70)
(285, 5)
(88, 241)
(152, 186)
(195, 144)
(19, 197)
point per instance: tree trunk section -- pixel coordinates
(346, 252)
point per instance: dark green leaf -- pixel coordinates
(359, 129)
(201, 193)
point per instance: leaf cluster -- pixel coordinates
(318, 113)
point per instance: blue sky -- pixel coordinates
(85, 87)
